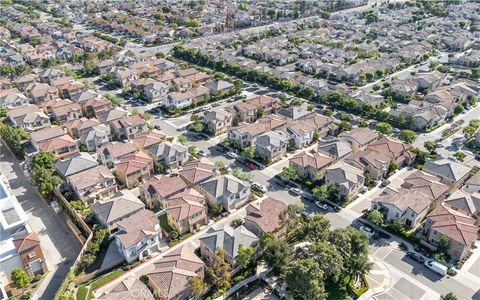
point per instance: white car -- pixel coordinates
(232, 155)
(202, 153)
(295, 191)
(322, 206)
(369, 231)
(259, 187)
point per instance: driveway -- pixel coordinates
(59, 246)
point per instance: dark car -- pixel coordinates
(221, 148)
(416, 257)
(250, 165)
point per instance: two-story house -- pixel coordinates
(225, 190)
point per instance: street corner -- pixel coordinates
(379, 279)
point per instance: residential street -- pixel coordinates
(59, 245)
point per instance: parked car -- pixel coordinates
(337, 208)
(385, 183)
(436, 267)
(232, 155)
(416, 257)
(207, 107)
(221, 148)
(250, 166)
(322, 206)
(157, 127)
(202, 153)
(308, 197)
(259, 187)
(369, 231)
(295, 191)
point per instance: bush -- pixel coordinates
(361, 290)
(451, 272)
(237, 279)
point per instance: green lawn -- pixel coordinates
(82, 293)
(104, 280)
(164, 223)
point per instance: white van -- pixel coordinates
(436, 267)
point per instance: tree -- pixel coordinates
(443, 244)
(329, 259)
(277, 253)
(384, 128)
(43, 173)
(20, 278)
(215, 209)
(3, 112)
(248, 153)
(315, 229)
(321, 192)
(376, 217)
(327, 112)
(354, 245)
(244, 256)
(459, 155)
(345, 126)
(182, 139)
(236, 223)
(449, 296)
(397, 226)
(260, 113)
(197, 285)
(14, 138)
(430, 146)
(458, 109)
(392, 167)
(288, 173)
(89, 67)
(408, 136)
(221, 270)
(305, 280)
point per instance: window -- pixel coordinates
(32, 254)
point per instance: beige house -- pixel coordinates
(359, 138)
(266, 217)
(186, 211)
(310, 166)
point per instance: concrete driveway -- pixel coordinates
(59, 246)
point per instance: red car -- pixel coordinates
(250, 165)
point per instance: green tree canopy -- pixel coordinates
(305, 279)
(20, 278)
(408, 136)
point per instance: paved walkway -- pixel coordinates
(261, 272)
(379, 279)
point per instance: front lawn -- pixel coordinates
(164, 223)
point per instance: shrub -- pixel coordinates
(237, 279)
(451, 272)
(82, 293)
(360, 291)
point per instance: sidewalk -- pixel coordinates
(379, 272)
(261, 272)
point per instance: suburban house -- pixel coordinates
(334, 148)
(172, 155)
(217, 121)
(67, 113)
(95, 137)
(459, 228)
(29, 118)
(198, 171)
(77, 163)
(248, 111)
(427, 184)
(300, 133)
(112, 152)
(348, 179)
(110, 211)
(370, 161)
(186, 211)
(310, 166)
(225, 190)
(148, 139)
(449, 171)
(156, 191)
(245, 134)
(54, 140)
(219, 88)
(134, 169)
(93, 184)
(409, 206)
(138, 236)
(228, 239)
(150, 89)
(127, 127)
(93, 108)
(178, 100)
(80, 126)
(28, 248)
(40, 92)
(266, 216)
(271, 146)
(272, 122)
(173, 273)
(398, 152)
(468, 204)
(11, 98)
(359, 138)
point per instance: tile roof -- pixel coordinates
(26, 242)
(90, 177)
(428, 184)
(315, 160)
(133, 163)
(46, 134)
(361, 135)
(453, 224)
(149, 138)
(266, 214)
(118, 149)
(198, 171)
(164, 186)
(228, 239)
(129, 288)
(137, 227)
(467, 203)
(447, 168)
(116, 207)
(404, 198)
(75, 164)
